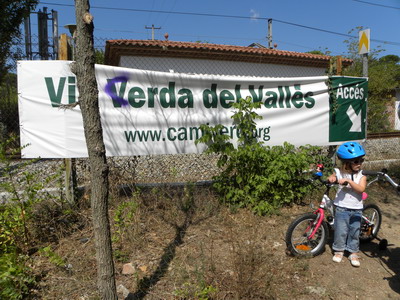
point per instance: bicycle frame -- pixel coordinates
(320, 212)
(308, 233)
(327, 202)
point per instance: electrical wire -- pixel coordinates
(376, 4)
(229, 16)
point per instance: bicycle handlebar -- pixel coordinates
(371, 173)
(382, 175)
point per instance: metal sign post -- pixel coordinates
(363, 48)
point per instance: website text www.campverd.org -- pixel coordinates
(186, 134)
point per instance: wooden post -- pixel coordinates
(63, 47)
(70, 181)
(339, 65)
(65, 53)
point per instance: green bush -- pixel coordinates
(15, 277)
(265, 178)
(16, 216)
(258, 177)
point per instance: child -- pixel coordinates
(348, 201)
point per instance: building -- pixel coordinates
(202, 58)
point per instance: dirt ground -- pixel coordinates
(378, 276)
(185, 245)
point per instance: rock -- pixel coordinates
(276, 245)
(320, 291)
(84, 240)
(128, 269)
(123, 290)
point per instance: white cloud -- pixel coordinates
(254, 15)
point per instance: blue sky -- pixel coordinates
(297, 25)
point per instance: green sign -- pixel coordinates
(348, 108)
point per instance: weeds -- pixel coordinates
(21, 222)
(53, 257)
(123, 219)
(189, 245)
(16, 278)
(199, 291)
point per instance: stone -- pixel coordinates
(128, 269)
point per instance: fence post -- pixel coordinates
(339, 65)
(65, 53)
(70, 181)
(64, 48)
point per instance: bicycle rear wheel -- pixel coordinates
(370, 223)
(298, 240)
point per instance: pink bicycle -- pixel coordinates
(308, 234)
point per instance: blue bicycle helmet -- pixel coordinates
(350, 150)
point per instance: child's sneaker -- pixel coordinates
(355, 260)
(337, 257)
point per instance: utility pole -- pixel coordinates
(43, 34)
(152, 30)
(28, 37)
(43, 17)
(269, 36)
(54, 19)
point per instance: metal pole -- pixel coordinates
(365, 74)
(365, 64)
(28, 37)
(43, 34)
(269, 33)
(55, 33)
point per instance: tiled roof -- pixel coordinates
(165, 48)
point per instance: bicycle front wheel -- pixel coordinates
(370, 222)
(298, 236)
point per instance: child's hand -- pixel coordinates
(332, 178)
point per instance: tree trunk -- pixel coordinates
(89, 104)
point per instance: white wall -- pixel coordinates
(217, 67)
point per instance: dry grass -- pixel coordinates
(185, 245)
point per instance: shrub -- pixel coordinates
(16, 216)
(262, 178)
(15, 277)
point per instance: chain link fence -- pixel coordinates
(382, 152)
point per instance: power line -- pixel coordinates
(337, 33)
(162, 11)
(376, 4)
(230, 16)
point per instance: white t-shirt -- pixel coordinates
(346, 197)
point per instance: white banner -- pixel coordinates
(397, 115)
(148, 112)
